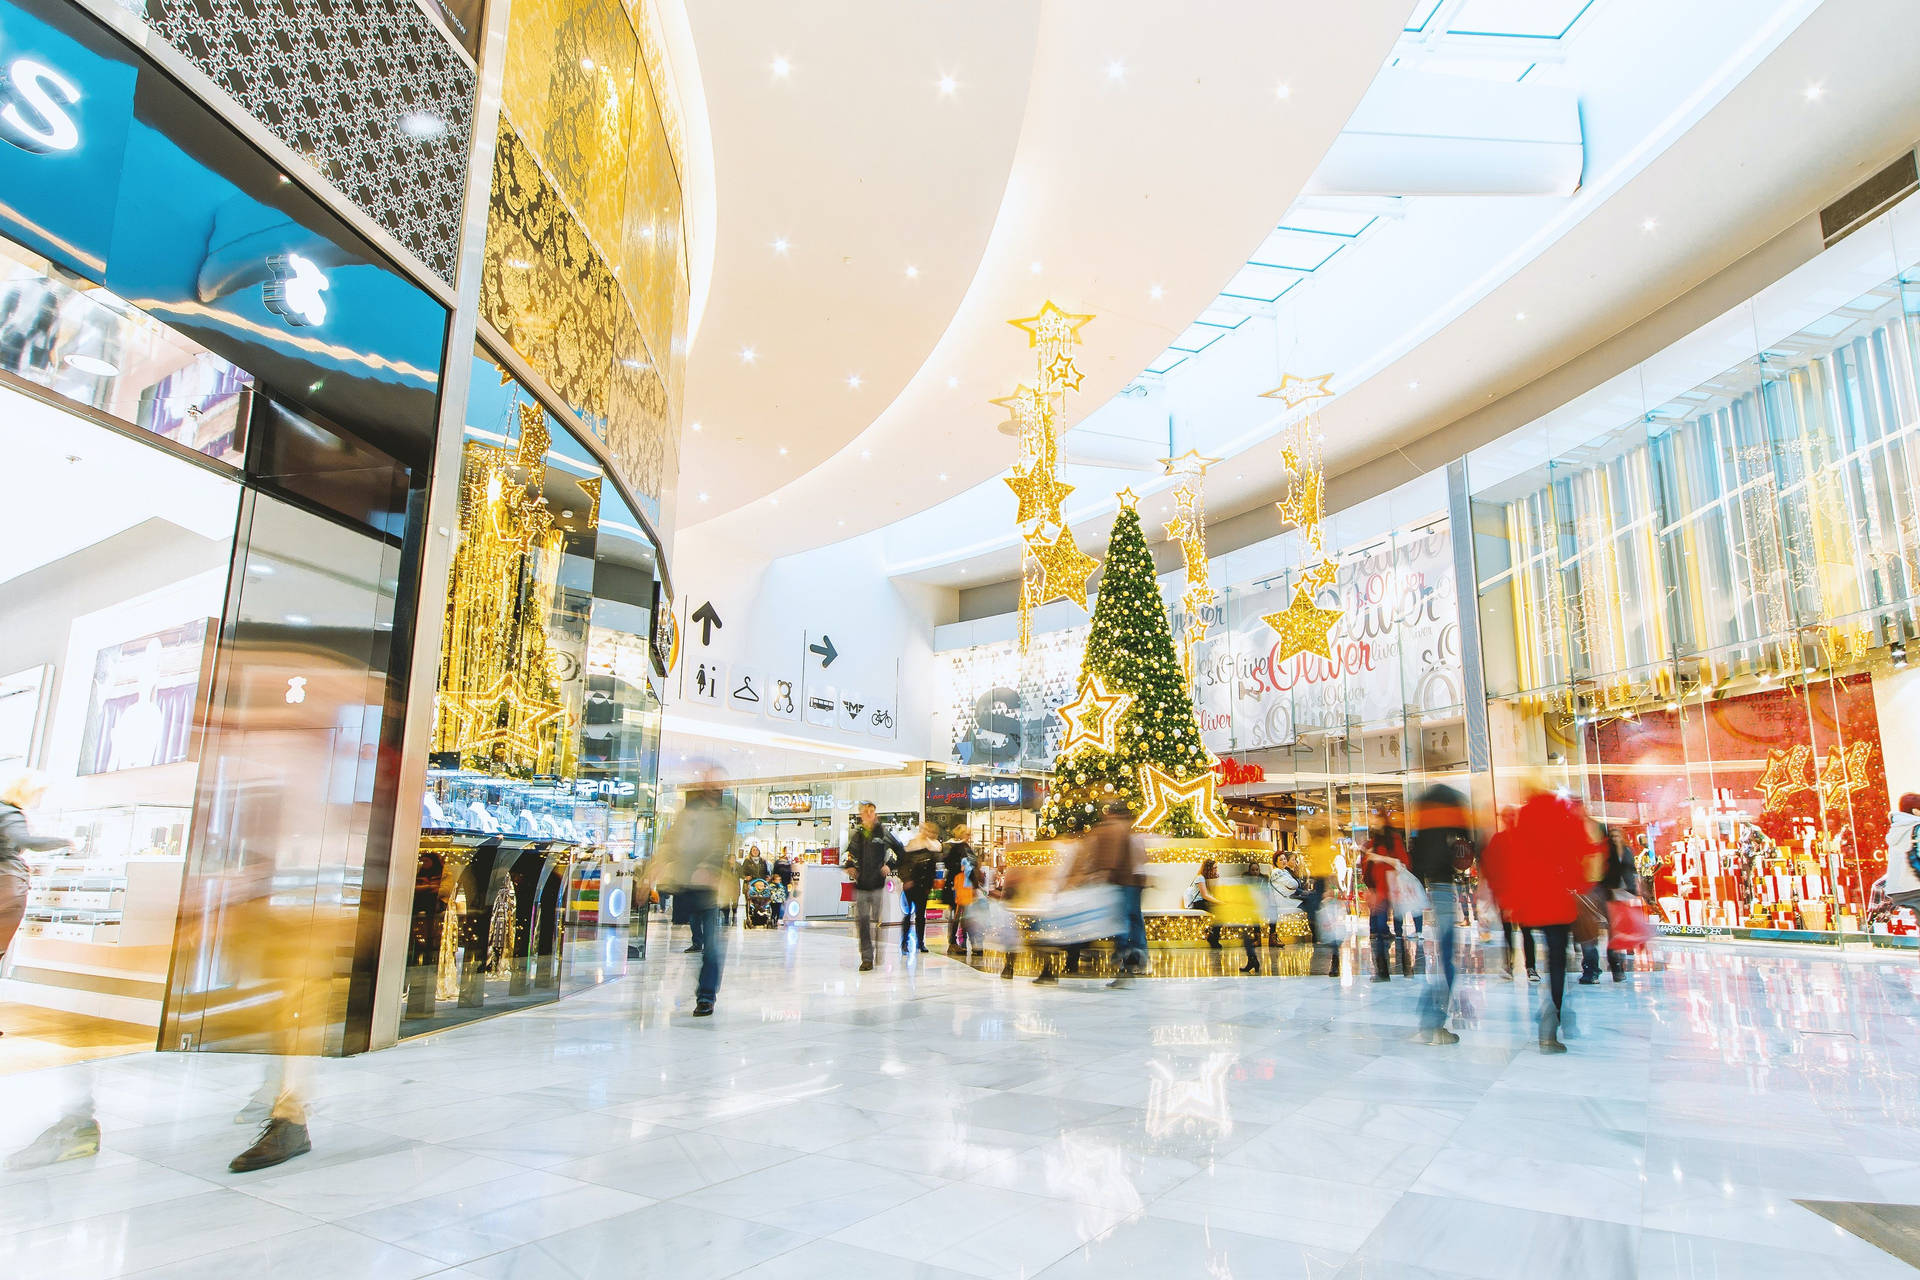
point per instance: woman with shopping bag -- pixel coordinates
(1392, 895)
(1244, 900)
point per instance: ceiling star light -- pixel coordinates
(1160, 791)
(913, 273)
(1295, 391)
(1649, 224)
(780, 245)
(947, 85)
(1816, 91)
(1303, 627)
(853, 380)
(1093, 718)
(1116, 70)
(696, 426)
(748, 355)
(781, 67)
(1282, 91)
(952, 382)
(1156, 293)
(1040, 495)
(1064, 568)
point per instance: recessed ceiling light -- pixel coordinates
(781, 66)
(952, 382)
(1116, 70)
(1283, 91)
(1648, 224)
(774, 501)
(696, 426)
(943, 475)
(703, 497)
(947, 85)
(780, 245)
(913, 273)
(1414, 385)
(840, 524)
(866, 455)
(1239, 477)
(1816, 91)
(748, 354)
(1155, 292)
(783, 451)
(1519, 315)
(853, 380)
(1034, 267)
(94, 365)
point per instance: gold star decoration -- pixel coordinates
(1302, 506)
(1023, 406)
(478, 724)
(1320, 576)
(1063, 374)
(1190, 463)
(1196, 631)
(1051, 324)
(1064, 568)
(1303, 627)
(1093, 718)
(1160, 792)
(1845, 773)
(1128, 499)
(1295, 391)
(1786, 774)
(1039, 493)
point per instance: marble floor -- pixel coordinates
(929, 1120)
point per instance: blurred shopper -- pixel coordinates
(783, 876)
(1386, 920)
(871, 849)
(1202, 897)
(1442, 846)
(919, 864)
(1117, 856)
(1617, 882)
(956, 866)
(692, 860)
(16, 840)
(1326, 910)
(1539, 868)
(1494, 868)
(1242, 900)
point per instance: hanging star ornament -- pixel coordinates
(1160, 792)
(1320, 576)
(1296, 391)
(1063, 374)
(478, 723)
(1064, 568)
(1128, 499)
(1093, 718)
(1051, 324)
(1190, 463)
(1039, 493)
(1787, 773)
(1303, 627)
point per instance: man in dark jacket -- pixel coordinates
(870, 849)
(954, 859)
(1442, 843)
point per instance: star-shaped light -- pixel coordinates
(1296, 391)
(1303, 627)
(1128, 499)
(1190, 463)
(1023, 406)
(478, 724)
(1040, 495)
(1320, 576)
(1844, 774)
(1304, 504)
(1051, 324)
(1064, 568)
(1196, 629)
(1786, 773)
(1159, 792)
(1093, 718)
(1064, 374)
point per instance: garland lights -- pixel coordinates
(1303, 626)
(1052, 566)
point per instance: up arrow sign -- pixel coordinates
(709, 622)
(826, 651)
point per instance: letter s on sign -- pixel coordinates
(35, 118)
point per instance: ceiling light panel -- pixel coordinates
(1297, 250)
(1521, 19)
(1197, 338)
(1261, 284)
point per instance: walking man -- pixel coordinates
(1120, 859)
(870, 850)
(1442, 846)
(692, 860)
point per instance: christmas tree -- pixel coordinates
(1131, 732)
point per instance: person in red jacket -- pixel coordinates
(1386, 848)
(1536, 867)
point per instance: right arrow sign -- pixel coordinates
(826, 651)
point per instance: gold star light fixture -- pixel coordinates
(1093, 718)
(1160, 792)
(1052, 567)
(1189, 528)
(1295, 391)
(1303, 626)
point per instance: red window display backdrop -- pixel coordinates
(1763, 810)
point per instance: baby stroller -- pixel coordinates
(760, 899)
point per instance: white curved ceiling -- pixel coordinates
(1120, 157)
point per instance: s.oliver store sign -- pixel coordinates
(1396, 650)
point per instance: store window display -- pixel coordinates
(539, 802)
(1698, 619)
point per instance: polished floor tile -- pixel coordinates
(928, 1120)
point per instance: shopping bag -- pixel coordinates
(1334, 921)
(1628, 928)
(1080, 915)
(1587, 920)
(1405, 892)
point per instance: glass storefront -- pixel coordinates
(217, 399)
(1697, 588)
(540, 788)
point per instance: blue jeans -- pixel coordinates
(1440, 984)
(1133, 943)
(713, 951)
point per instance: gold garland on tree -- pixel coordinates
(1052, 566)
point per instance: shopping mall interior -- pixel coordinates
(1024, 638)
